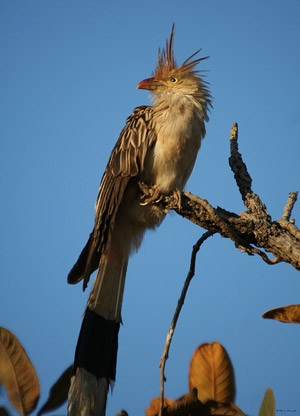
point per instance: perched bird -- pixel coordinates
(158, 146)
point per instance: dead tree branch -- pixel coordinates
(253, 231)
(180, 303)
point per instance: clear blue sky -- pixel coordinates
(69, 71)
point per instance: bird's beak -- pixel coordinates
(146, 84)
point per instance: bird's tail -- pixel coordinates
(96, 352)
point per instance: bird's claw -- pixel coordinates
(154, 198)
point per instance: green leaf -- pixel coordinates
(58, 393)
(268, 405)
(211, 373)
(290, 313)
(17, 374)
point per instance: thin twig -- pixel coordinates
(274, 260)
(287, 211)
(180, 303)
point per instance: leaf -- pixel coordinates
(3, 411)
(290, 313)
(189, 404)
(154, 407)
(228, 409)
(58, 393)
(17, 374)
(268, 404)
(211, 373)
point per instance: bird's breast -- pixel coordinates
(179, 128)
(174, 157)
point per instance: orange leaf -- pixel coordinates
(211, 373)
(155, 406)
(290, 313)
(17, 374)
(228, 409)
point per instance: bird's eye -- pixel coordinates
(173, 79)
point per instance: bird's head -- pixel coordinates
(168, 78)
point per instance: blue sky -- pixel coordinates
(69, 72)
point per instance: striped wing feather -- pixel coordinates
(126, 162)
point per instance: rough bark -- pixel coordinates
(253, 231)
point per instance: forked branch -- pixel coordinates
(253, 231)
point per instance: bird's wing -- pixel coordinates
(126, 161)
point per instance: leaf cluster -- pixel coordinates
(211, 388)
(211, 384)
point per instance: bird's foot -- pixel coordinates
(153, 198)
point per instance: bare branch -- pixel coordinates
(241, 175)
(287, 211)
(180, 303)
(265, 258)
(253, 231)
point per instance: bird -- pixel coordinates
(157, 146)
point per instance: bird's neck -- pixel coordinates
(170, 106)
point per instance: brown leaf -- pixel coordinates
(211, 373)
(58, 393)
(228, 409)
(154, 407)
(189, 405)
(17, 374)
(290, 313)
